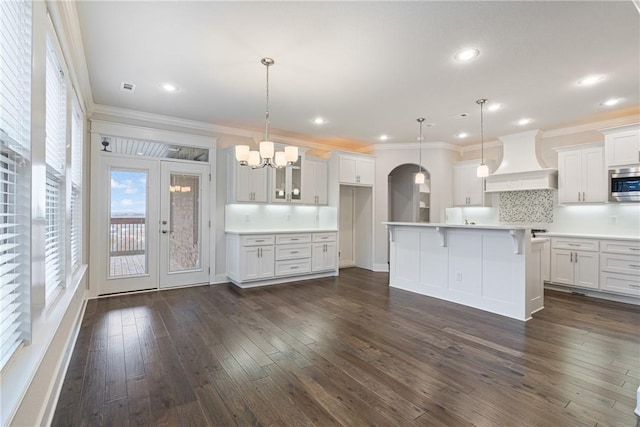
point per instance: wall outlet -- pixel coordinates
(458, 276)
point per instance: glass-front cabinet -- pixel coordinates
(286, 183)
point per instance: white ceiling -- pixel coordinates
(368, 68)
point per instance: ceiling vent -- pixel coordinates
(127, 87)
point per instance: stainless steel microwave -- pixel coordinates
(624, 185)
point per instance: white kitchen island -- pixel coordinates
(492, 268)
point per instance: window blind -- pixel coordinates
(77, 133)
(15, 188)
(56, 125)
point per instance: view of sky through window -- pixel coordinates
(128, 193)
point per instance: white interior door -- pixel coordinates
(128, 227)
(184, 224)
(346, 230)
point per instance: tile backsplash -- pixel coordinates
(531, 206)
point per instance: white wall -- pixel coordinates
(439, 164)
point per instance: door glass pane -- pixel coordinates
(184, 222)
(296, 180)
(281, 184)
(127, 230)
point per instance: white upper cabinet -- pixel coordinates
(581, 175)
(314, 181)
(357, 170)
(286, 183)
(622, 146)
(246, 184)
(468, 189)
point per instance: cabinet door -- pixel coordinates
(562, 270)
(347, 170)
(593, 176)
(243, 184)
(322, 183)
(250, 263)
(323, 256)
(587, 269)
(623, 148)
(365, 171)
(258, 184)
(570, 176)
(460, 186)
(475, 187)
(267, 262)
(330, 256)
(317, 256)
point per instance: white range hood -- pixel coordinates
(521, 168)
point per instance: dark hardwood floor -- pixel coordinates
(348, 351)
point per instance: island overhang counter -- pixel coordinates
(490, 267)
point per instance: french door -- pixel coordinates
(155, 226)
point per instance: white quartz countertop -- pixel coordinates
(284, 231)
(589, 236)
(442, 225)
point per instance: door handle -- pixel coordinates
(576, 257)
(570, 256)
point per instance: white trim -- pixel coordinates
(220, 279)
(616, 129)
(591, 126)
(415, 145)
(151, 134)
(593, 293)
(478, 147)
(596, 144)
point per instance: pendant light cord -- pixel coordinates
(481, 102)
(420, 120)
(266, 116)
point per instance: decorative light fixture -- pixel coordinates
(267, 156)
(483, 170)
(420, 175)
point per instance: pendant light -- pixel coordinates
(420, 175)
(267, 156)
(483, 170)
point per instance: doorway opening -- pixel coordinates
(408, 201)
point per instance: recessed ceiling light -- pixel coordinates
(463, 135)
(494, 107)
(318, 120)
(466, 54)
(139, 154)
(523, 122)
(383, 137)
(590, 80)
(169, 87)
(611, 102)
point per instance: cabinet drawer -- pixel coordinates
(625, 264)
(575, 244)
(620, 283)
(298, 266)
(284, 252)
(324, 237)
(292, 238)
(620, 247)
(257, 240)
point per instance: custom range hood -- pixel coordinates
(521, 168)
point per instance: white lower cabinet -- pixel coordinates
(263, 259)
(620, 267)
(256, 263)
(611, 266)
(572, 265)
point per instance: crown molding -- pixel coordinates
(592, 126)
(64, 17)
(414, 145)
(478, 147)
(207, 127)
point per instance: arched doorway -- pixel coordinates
(408, 201)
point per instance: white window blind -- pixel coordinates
(56, 125)
(77, 132)
(15, 188)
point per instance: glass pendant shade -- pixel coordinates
(482, 171)
(266, 149)
(254, 158)
(419, 178)
(291, 154)
(280, 159)
(242, 153)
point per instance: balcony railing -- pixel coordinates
(127, 236)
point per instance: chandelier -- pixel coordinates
(266, 156)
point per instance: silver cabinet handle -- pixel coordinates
(576, 257)
(634, 286)
(579, 196)
(584, 198)
(634, 249)
(572, 244)
(295, 252)
(570, 256)
(164, 231)
(261, 240)
(293, 267)
(634, 265)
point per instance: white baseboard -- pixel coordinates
(593, 294)
(381, 267)
(220, 278)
